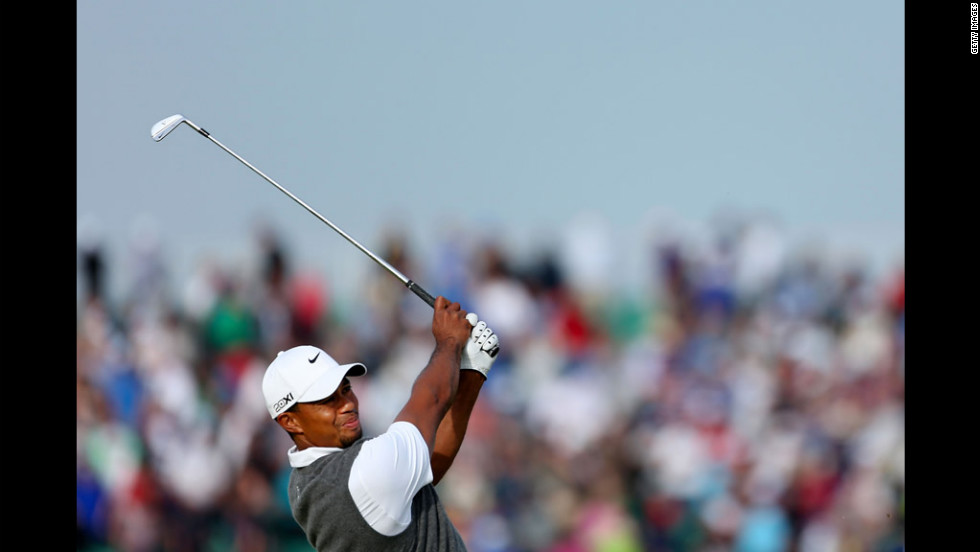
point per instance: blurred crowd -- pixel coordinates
(749, 397)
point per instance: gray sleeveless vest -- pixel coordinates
(324, 508)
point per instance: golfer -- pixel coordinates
(375, 494)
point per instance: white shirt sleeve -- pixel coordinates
(386, 474)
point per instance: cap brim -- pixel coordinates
(325, 386)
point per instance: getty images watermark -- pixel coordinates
(973, 28)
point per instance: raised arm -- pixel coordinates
(474, 367)
(453, 427)
(435, 387)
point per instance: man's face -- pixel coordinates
(333, 421)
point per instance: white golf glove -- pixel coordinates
(481, 349)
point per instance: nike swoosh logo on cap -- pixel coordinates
(312, 360)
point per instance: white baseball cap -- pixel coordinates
(303, 374)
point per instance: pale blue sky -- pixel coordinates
(512, 116)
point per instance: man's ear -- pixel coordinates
(288, 421)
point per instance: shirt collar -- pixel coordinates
(302, 458)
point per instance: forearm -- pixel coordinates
(433, 392)
(452, 429)
(440, 377)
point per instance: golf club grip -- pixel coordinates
(417, 290)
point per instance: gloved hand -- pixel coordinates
(481, 349)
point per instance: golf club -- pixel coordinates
(161, 129)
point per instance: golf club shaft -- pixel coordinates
(416, 289)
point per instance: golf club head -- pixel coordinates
(160, 130)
